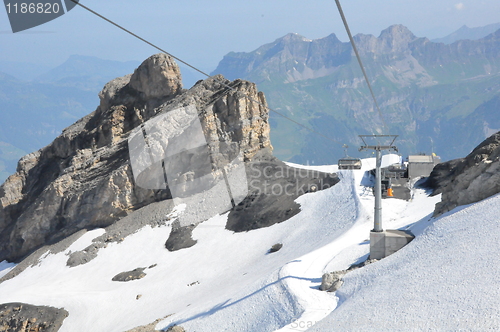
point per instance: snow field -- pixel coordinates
(227, 281)
(227, 271)
(446, 279)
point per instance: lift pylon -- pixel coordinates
(378, 143)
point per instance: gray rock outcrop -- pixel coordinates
(180, 237)
(84, 179)
(130, 275)
(148, 328)
(158, 77)
(273, 188)
(21, 317)
(332, 281)
(176, 328)
(275, 248)
(470, 179)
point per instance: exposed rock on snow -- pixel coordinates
(158, 215)
(275, 248)
(81, 257)
(20, 317)
(332, 281)
(176, 328)
(468, 180)
(273, 187)
(180, 237)
(149, 327)
(362, 264)
(130, 275)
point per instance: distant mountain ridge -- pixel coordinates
(293, 56)
(86, 72)
(427, 91)
(468, 33)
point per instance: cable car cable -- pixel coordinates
(359, 61)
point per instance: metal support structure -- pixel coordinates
(377, 222)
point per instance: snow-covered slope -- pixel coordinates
(447, 279)
(224, 275)
(229, 282)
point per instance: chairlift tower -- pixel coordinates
(378, 147)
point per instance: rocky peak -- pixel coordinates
(330, 39)
(396, 38)
(398, 33)
(293, 38)
(393, 40)
(157, 77)
(55, 191)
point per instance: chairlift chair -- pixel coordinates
(349, 162)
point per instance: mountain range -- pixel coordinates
(427, 92)
(297, 84)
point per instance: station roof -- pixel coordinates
(421, 159)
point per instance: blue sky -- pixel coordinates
(202, 32)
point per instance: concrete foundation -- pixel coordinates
(383, 244)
